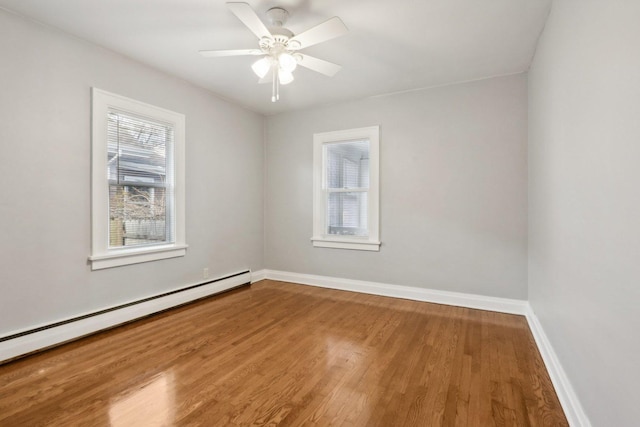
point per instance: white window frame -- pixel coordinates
(320, 238)
(101, 255)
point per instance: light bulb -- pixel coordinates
(287, 62)
(285, 76)
(261, 67)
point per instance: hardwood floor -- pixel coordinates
(282, 354)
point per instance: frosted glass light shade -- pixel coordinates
(287, 62)
(261, 67)
(285, 76)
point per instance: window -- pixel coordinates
(345, 187)
(137, 173)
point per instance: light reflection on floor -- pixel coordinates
(149, 404)
(353, 356)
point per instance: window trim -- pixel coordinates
(101, 255)
(320, 238)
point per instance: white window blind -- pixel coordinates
(140, 180)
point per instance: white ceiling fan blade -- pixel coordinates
(249, 18)
(319, 65)
(328, 30)
(230, 52)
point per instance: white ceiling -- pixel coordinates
(392, 46)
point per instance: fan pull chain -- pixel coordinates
(274, 84)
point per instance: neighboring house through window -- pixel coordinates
(137, 182)
(346, 189)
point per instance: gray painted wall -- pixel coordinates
(45, 81)
(584, 208)
(453, 189)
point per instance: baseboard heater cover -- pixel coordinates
(42, 337)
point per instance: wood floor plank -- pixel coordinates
(281, 354)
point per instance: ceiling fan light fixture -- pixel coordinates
(279, 46)
(287, 62)
(285, 77)
(261, 67)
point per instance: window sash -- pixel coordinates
(350, 220)
(129, 228)
(346, 190)
(141, 148)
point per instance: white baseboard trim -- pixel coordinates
(256, 276)
(481, 302)
(45, 338)
(568, 399)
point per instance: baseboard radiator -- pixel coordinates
(25, 342)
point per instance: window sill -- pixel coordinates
(353, 244)
(135, 256)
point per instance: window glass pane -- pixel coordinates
(347, 164)
(137, 215)
(140, 194)
(347, 213)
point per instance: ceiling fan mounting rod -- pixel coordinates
(278, 16)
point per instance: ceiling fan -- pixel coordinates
(280, 48)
